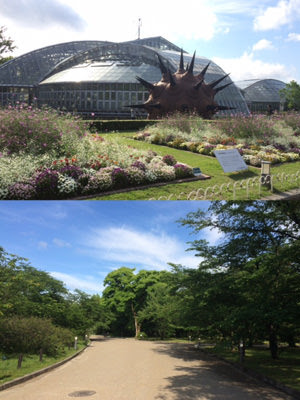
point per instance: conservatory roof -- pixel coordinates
(261, 90)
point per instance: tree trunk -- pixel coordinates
(273, 343)
(136, 322)
(41, 355)
(20, 361)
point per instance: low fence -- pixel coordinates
(244, 188)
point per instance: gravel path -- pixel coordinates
(126, 369)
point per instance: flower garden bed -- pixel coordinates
(72, 177)
(45, 155)
(257, 138)
(143, 187)
(252, 154)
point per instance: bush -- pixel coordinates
(182, 171)
(119, 125)
(169, 159)
(46, 184)
(38, 131)
(29, 335)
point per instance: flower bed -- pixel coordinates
(102, 167)
(48, 155)
(257, 138)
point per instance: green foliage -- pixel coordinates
(159, 310)
(26, 291)
(119, 125)
(291, 95)
(39, 131)
(6, 44)
(247, 286)
(125, 295)
(5, 59)
(30, 335)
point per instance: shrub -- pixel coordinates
(29, 335)
(136, 176)
(66, 186)
(139, 165)
(119, 177)
(248, 127)
(38, 131)
(169, 159)
(96, 183)
(182, 171)
(21, 191)
(164, 172)
(46, 184)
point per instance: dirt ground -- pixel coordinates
(126, 369)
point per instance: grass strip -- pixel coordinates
(285, 370)
(30, 364)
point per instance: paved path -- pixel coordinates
(126, 369)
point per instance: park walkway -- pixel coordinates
(126, 369)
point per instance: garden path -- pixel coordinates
(126, 369)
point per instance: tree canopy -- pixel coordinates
(6, 45)
(291, 95)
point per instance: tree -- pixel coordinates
(159, 309)
(125, 295)
(251, 278)
(27, 291)
(291, 95)
(6, 45)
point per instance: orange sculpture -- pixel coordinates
(182, 91)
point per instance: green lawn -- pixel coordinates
(31, 363)
(209, 166)
(285, 370)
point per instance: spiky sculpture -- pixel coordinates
(182, 91)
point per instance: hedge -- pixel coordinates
(119, 125)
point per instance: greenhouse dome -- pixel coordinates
(98, 77)
(259, 93)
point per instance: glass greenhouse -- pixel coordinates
(259, 93)
(99, 77)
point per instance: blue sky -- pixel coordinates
(249, 39)
(80, 242)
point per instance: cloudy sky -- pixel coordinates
(80, 242)
(249, 39)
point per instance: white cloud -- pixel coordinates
(263, 44)
(285, 12)
(87, 284)
(42, 245)
(60, 243)
(212, 235)
(248, 67)
(294, 37)
(41, 14)
(129, 247)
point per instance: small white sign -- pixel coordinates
(230, 160)
(197, 171)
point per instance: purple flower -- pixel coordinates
(71, 170)
(119, 177)
(169, 159)
(139, 165)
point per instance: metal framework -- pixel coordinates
(100, 77)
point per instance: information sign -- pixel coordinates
(197, 171)
(230, 160)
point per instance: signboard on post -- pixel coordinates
(230, 160)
